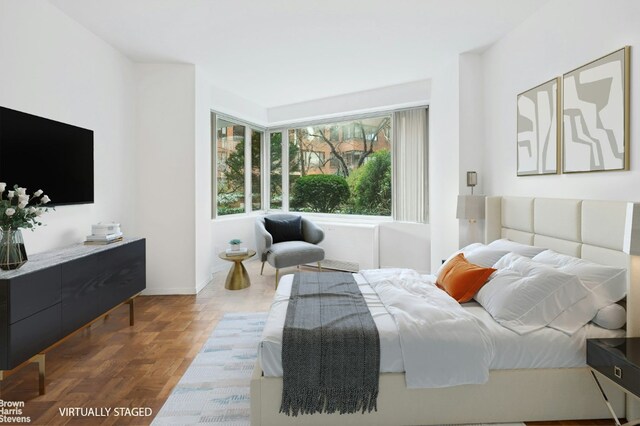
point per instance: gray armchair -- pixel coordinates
(289, 249)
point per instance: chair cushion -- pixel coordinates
(291, 253)
(284, 229)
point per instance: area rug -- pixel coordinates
(215, 388)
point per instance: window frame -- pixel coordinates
(284, 128)
(248, 128)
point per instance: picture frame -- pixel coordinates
(538, 129)
(595, 116)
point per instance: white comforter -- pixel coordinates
(442, 344)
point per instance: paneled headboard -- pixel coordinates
(592, 230)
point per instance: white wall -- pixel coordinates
(384, 98)
(203, 176)
(229, 103)
(166, 175)
(227, 228)
(561, 36)
(472, 140)
(53, 67)
(405, 245)
(444, 163)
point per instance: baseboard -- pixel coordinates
(203, 284)
(151, 291)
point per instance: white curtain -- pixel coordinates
(410, 166)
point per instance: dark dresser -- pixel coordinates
(618, 359)
(60, 291)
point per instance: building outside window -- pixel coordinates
(357, 153)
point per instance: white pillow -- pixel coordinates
(485, 256)
(606, 285)
(611, 317)
(525, 296)
(517, 248)
(607, 282)
(464, 250)
(575, 316)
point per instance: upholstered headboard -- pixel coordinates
(592, 230)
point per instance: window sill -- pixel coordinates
(346, 219)
(236, 216)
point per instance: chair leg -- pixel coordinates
(262, 269)
(277, 272)
(319, 267)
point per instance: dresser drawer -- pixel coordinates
(122, 274)
(614, 365)
(33, 334)
(33, 292)
(79, 293)
(4, 329)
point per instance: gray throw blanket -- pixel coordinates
(330, 347)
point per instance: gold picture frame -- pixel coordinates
(538, 129)
(595, 115)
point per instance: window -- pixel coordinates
(275, 148)
(238, 167)
(256, 166)
(341, 167)
(230, 167)
(356, 153)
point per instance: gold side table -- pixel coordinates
(238, 277)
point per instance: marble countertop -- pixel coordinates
(54, 257)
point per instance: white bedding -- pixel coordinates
(442, 344)
(512, 351)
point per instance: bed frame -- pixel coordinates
(593, 230)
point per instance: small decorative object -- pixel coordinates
(538, 130)
(596, 115)
(234, 244)
(104, 233)
(18, 210)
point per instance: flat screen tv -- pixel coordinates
(38, 153)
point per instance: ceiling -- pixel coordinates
(279, 52)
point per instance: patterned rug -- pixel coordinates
(215, 388)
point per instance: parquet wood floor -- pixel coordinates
(113, 365)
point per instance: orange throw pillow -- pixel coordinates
(462, 279)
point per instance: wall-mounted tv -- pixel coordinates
(38, 153)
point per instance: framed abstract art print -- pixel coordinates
(538, 130)
(596, 115)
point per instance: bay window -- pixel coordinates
(339, 167)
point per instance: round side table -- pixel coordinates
(238, 277)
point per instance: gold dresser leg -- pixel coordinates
(40, 359)
(131, 312)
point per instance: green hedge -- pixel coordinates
(320, 193)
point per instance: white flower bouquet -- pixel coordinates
(19, 209)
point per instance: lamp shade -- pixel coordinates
(470, 207)
(632, 230)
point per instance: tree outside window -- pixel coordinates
(342, 167)
(356, 151)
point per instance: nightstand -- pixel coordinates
(619, 361)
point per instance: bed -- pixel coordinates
(524, 384)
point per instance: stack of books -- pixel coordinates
(237, 252)
(104, 233)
